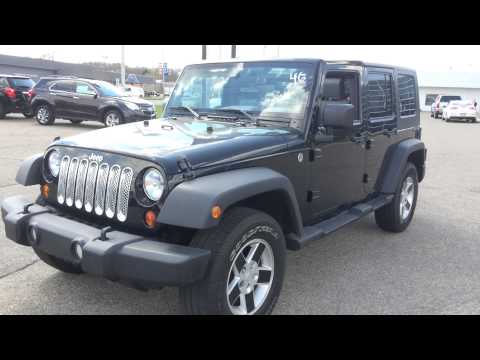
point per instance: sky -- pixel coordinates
(419, 57)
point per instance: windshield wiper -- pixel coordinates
(243, 112)
(188, 108)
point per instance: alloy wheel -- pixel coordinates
(112, 119)
(250, 277)
(406, 198)
(43, 114)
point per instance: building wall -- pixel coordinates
(33, 73)
(466, 94)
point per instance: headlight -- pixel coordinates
(132, 106)
(153, 184)
(54, 163)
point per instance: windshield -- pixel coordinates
(264, 89)
(107, 89)
(450, 98)
(20, 82)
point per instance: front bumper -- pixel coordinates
(120, 256)
(134, 116)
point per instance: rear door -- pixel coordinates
(85, 101)
(381, 107)
(62, 95)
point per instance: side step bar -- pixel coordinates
(326, 227)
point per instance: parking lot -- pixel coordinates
(432, 268)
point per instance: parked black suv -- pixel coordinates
(15, 93)
(78, 100)
(251, 159)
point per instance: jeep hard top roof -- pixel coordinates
(312, 61)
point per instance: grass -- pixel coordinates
(159, 109)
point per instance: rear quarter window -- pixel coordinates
(380, 95)
(407, 93)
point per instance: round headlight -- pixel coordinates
(54, 163)
(153, 184)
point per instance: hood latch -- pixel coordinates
(186, 168)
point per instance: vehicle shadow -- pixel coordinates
(85, 294)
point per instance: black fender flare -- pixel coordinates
(396, 161)
(189, 204)
(30, 171)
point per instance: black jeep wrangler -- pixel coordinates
(250, 159)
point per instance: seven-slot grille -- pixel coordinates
(95, 187)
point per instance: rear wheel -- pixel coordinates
(44, 114)
(2, 111)
(396, 216)
(57, 263)
(246, 269)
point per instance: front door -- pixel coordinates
(338, 166)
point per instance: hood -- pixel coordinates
(132, 99)
(203, 143)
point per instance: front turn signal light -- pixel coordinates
(45, 190)
(216, 212)
(150, 217)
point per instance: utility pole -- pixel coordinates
(204, 52)
(123, 66)
(234, 51)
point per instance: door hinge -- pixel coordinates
(365, 178)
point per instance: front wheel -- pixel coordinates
(112, 118)
(396, 216)
(247, 266)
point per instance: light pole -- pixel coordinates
(123, 66)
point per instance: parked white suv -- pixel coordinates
(441, 102)
(134, 91)
(460, 110)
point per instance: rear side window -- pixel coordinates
(407, 93)
(64, 86)
(3, 83)
(430, 99)
(380, 95)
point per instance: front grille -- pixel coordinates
(95, 187)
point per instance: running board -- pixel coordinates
(326, 227)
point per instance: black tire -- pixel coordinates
(436, 115)
(116, 113)
(226, 242)
(44, 114)
(57, 263)
(28, 115)
(76, 121)
(2, 111)
(389, 217)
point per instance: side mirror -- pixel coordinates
(339, 116)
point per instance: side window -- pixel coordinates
(430, 99)
(84, 89)
(67, 86)
(380, 95)
(3, 83)
(407, 93)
